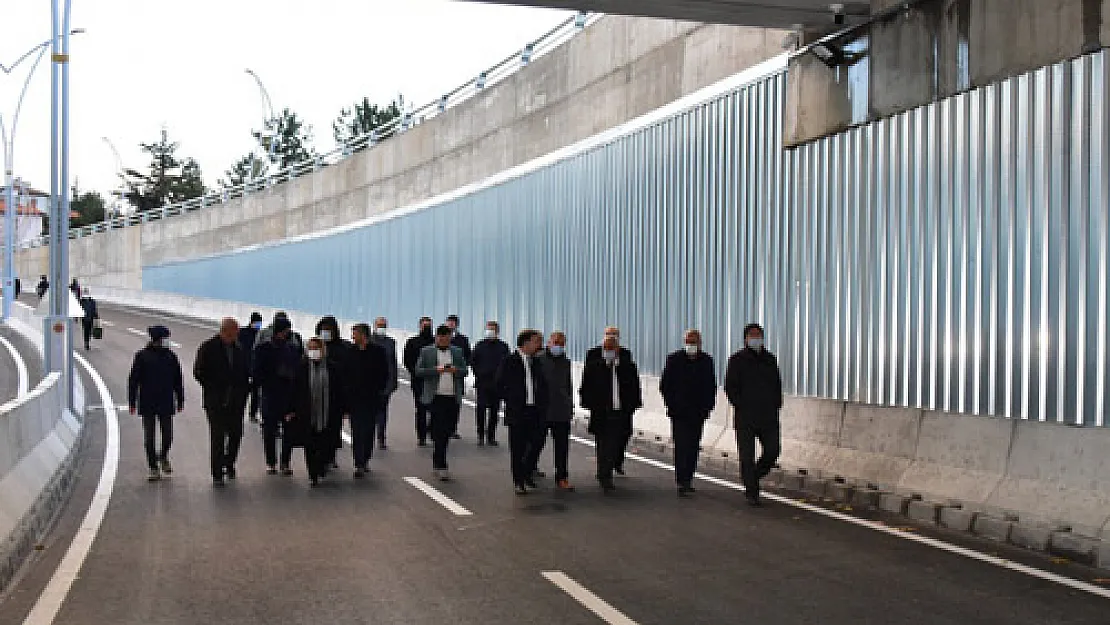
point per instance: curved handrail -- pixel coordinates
(554, 38)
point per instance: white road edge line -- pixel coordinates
(145, 335)
(438, 497)
(50, 601)
(592, 602)
(21, 385)
(891, 531)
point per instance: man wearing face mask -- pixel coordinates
(560, 408)
(153, 385)
(753, 384)
(267, 333)
(275, 370)
(611, 391)
(689, 389)
(413, 347)
(521, 383)
(460, 340)
(320, 405)
(442, 368)
(248, 334)
(623, 355)
(382, 339)
(488, 355)
(369, 376)
(339, 356)
(221, 369)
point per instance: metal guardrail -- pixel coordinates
(410, 119)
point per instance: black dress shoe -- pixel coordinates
(530, 483)
(230, 472)
(493, 443)
(421, 443)
(618, 470)
(753, 501)
(218, 481)
(481, 442)
(608, 486)
(456, 436)
(521, 489)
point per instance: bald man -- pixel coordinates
(623, 355)
(611, 391)
(222, 370)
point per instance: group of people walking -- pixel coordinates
(306, 389)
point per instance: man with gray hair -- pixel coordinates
(223, 372)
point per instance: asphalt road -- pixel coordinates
(268, 549)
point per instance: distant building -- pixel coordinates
(32, 206)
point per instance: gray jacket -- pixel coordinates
(426, 370)
(560, 389)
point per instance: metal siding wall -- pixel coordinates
(954, 257)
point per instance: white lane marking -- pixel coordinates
(438, 497)
(891, 531)
(186, 322)
(21, 384)
(592, 602)
(50, 601)
(107, 324)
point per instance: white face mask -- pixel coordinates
(491, 334)
(609, 356)
(379, 331)
(163, 343)
(557, 350)
(756, 344)
(315, 354)
(325, 335)
(692, 349)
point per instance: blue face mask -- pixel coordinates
(756, 344)
(557, 350)
(257, 325)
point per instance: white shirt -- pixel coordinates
(529, 387)
(446, 379)
(616, 385)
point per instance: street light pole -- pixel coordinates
(118, 209)
(270, 109)
(58, 331)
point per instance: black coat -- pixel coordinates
(88, 305)
(367, 377)
(225, 384)
(511, 387)
(247, 336)
(596, 392)
(299, 427)
(412, 351)
(275, 371)
(462, 342)
(486, 359)
(689, 385)
(155, 382)
(560, 387)
(390, 346)
(754, 386)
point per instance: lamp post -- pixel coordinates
(118, 209)
(266, 102)
(7, 137)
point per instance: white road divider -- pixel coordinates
(438, 497)
(589, 600)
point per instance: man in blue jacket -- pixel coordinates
(689, 388)
(155, 382)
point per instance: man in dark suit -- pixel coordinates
(247, 337)
(460, 340)
(689, 389)
(523, 386)
(152, 388)
(625, 356)
(611, 392)
(413, 347)
(382, 339)
(222, 370)
(753, 384)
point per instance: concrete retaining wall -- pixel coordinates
(39, 444)
(1040, 473)
(616, 70)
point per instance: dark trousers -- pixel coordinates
(225, 431)
(364, 420)
(165, 424)
(382, 417)
(86, 329)
(560, 438)
(686, 432)
(486, 416)
(318, 449)
(252, 409)
(611, 434)
(421, 411)
(770, 441)
(626, 437)
(444, 420)
(271, 428)
(526, 434)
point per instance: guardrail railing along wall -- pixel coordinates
(409, 119)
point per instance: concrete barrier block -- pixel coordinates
(1081, 549)
(867, 498)
(992, 527)
(841, 492)
(923, 511)
(959, 456)
(1102, 555)
(814, 486)
(1031, 536)
(957, 519)
(876, 443)
(810, 431)
(894, 502)
(793, 482)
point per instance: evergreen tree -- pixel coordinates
(170, 179)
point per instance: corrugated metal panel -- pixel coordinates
(953, 257)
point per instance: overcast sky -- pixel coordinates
(145, 63)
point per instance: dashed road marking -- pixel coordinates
(438, 497)
(589, 600)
